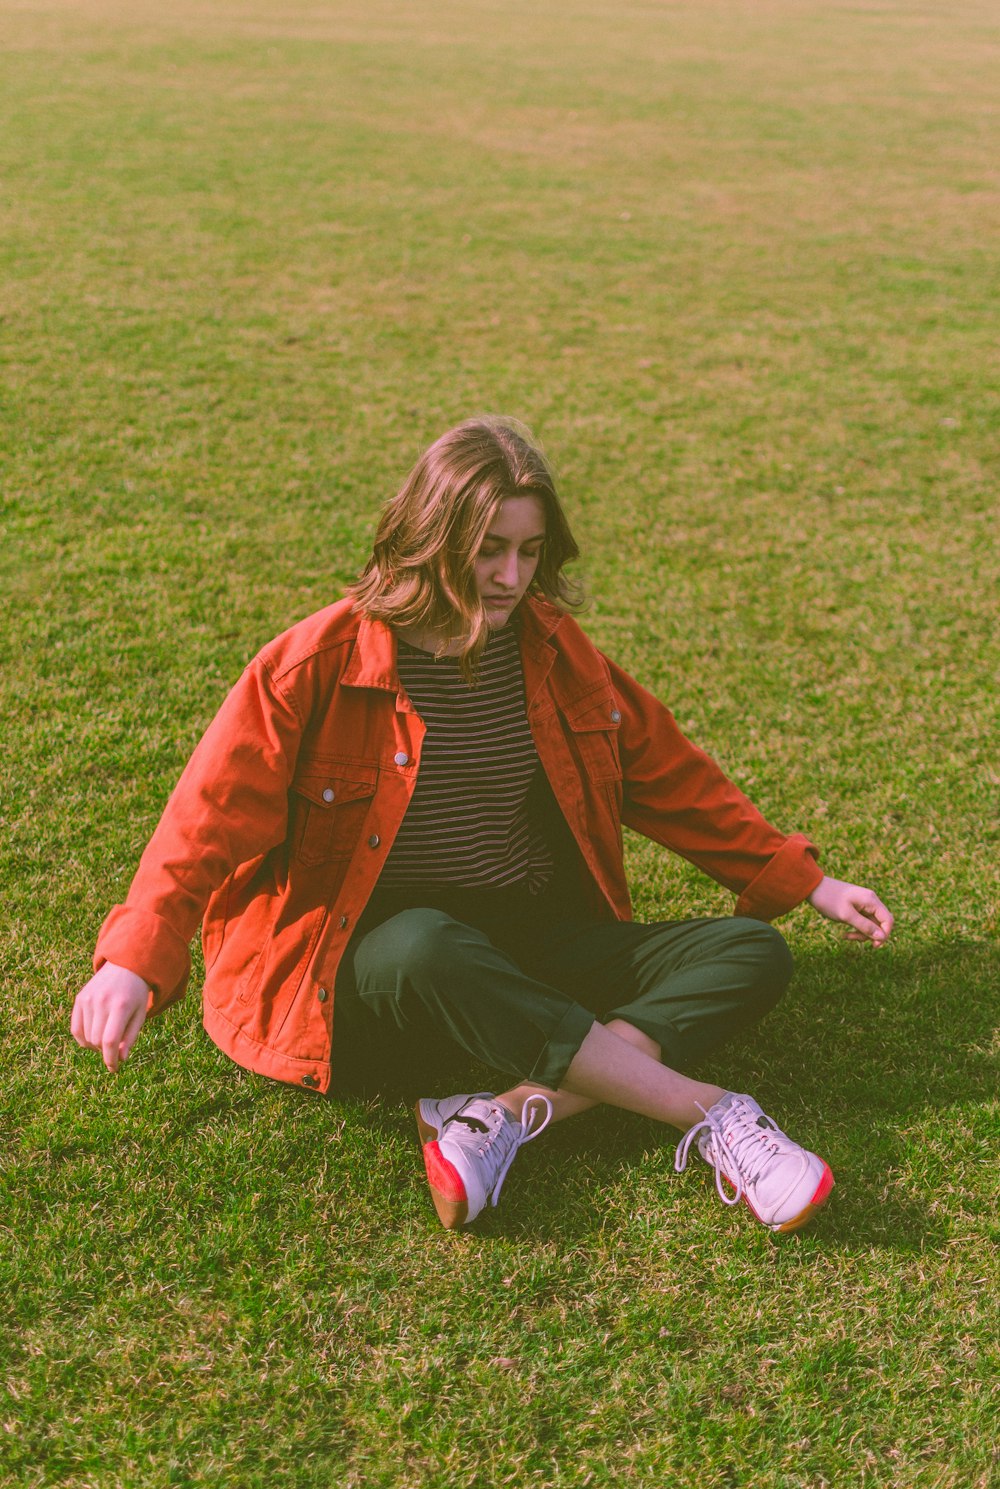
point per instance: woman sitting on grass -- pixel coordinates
(403, 835)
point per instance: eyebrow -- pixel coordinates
(499, 538)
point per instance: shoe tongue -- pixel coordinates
(477, 1114)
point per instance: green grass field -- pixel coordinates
(736, 265)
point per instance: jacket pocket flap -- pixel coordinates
(328, 786)
(599, 711)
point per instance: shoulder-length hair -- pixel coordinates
(421, 575)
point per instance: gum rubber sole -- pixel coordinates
(447, 1189)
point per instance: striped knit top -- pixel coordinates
(468, 822)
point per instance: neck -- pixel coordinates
(438, 643)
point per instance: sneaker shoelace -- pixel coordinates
(493, 1135)
(750, 1137)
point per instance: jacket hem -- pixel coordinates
(262, 1059)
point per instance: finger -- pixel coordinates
(131, 1033)
(76, 1021)
(879, 915)
(111, 1039)
(868, 901)
(90, 1022)
(863, 928)
(868, 931)
(885, 918)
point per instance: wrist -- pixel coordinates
(812, 895)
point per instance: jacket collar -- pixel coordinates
(539, 622)
(373, 660)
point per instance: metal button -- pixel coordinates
(402, 758)
(322, 994)
(310, 1080)
(616, 717)
(343, 922)
(374, 840)
(329, 794)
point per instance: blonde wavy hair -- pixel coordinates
(420, 574)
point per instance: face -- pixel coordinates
(508, 557)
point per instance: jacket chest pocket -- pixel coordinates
(329, 804)
(592, 734)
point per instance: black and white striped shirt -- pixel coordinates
(468, 823)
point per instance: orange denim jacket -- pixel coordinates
(277, 831)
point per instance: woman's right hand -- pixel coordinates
(109, 1012)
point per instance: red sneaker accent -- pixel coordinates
(823, 1188)
(821, 1196)
(447, 1188)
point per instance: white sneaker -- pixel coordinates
(782, 1183)
(432, 1115)
(470, 1143)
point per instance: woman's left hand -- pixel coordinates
(858, 908)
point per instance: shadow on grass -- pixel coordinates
(867, 1054)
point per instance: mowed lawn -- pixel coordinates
(737, 266)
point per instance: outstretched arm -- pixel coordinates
(860, 909)
(230, 805)
(677, 795)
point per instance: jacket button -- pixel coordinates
(402, 758)
(616, 717)
(374, 840)
(322, 994)
(343, 922)
(310, 1080)
(329, 794)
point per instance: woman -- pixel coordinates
(402, 833)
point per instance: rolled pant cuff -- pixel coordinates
(562, 1046)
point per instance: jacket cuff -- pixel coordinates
(147, 945)
(784, 881)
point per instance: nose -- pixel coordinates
(505, 572)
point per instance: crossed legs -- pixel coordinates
(619, 1064)
(606, 1013)
(424, 972)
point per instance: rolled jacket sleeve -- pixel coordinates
(229, 806)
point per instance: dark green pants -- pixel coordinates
(491, 975)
